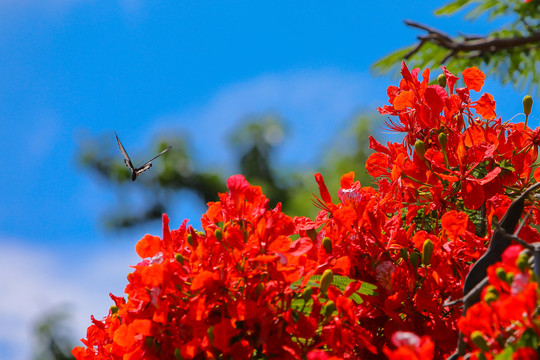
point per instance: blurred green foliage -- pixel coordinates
(254, 144)
(53, 335)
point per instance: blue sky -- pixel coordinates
(71, 69)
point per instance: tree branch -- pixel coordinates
(468, 43)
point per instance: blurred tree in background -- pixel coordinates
(53, 335)
(253, 144)
(510, 54)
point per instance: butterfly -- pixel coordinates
(137, 171)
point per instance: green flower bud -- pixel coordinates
(327, 244)
(501, 274)
(190, 239)
(492, 290)
(491, 294)
(114, 309)
(312, 234)
(441, 80)
(218, 234)
(326, 279)
(509, 278)
(522, 261)
(177, 354)
(427, 252)
(403, 254)
(489, 297)
(258, 289)
(479, 340)
(306, 296)
(210, 333)
(414, 258)
(527, 104)
(329, 308)
(420, 148)
(179, 258)
(443, 140)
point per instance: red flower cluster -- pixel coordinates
(505, 321)
(359, 281)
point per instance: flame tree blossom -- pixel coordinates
(368, 278)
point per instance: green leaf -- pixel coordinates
(341, 283)
(391, 62)
(528, 339)
(452, 7)
(505, 355)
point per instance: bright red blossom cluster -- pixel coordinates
(372, 270)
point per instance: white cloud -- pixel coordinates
(37, 280)
(313, 102)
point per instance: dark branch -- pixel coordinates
(468, 43)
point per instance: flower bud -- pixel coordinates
(190, 239)
(403, 253)
(527, 104)
(427, 252)
(306, 296)
(489, 297)
(327, 244)
(479, 340)
(522, 261)
(258, 289)
(218, 234)
(210, 333)
(177, 354)
(501, 274)
(492, 289)
(491, 294)
(329, 308)
(326, 279)
(420, 148)
(443, 140)
(509, 278)
(114, 309)
(179, 258)
(312, 234)
(414, 258)
(441, 80)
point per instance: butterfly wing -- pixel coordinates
(142, 169)
(127, 160)
(147, 165)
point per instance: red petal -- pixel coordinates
(377, 146)
(474, 78)
(473, 194)
(148, 246)
(435, 96)
(347, 180)
(485, 107)
(404, 100)
(300, 246)
(450, 79)
(455, 223)
(322, 189)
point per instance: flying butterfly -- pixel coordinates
(137, 171)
